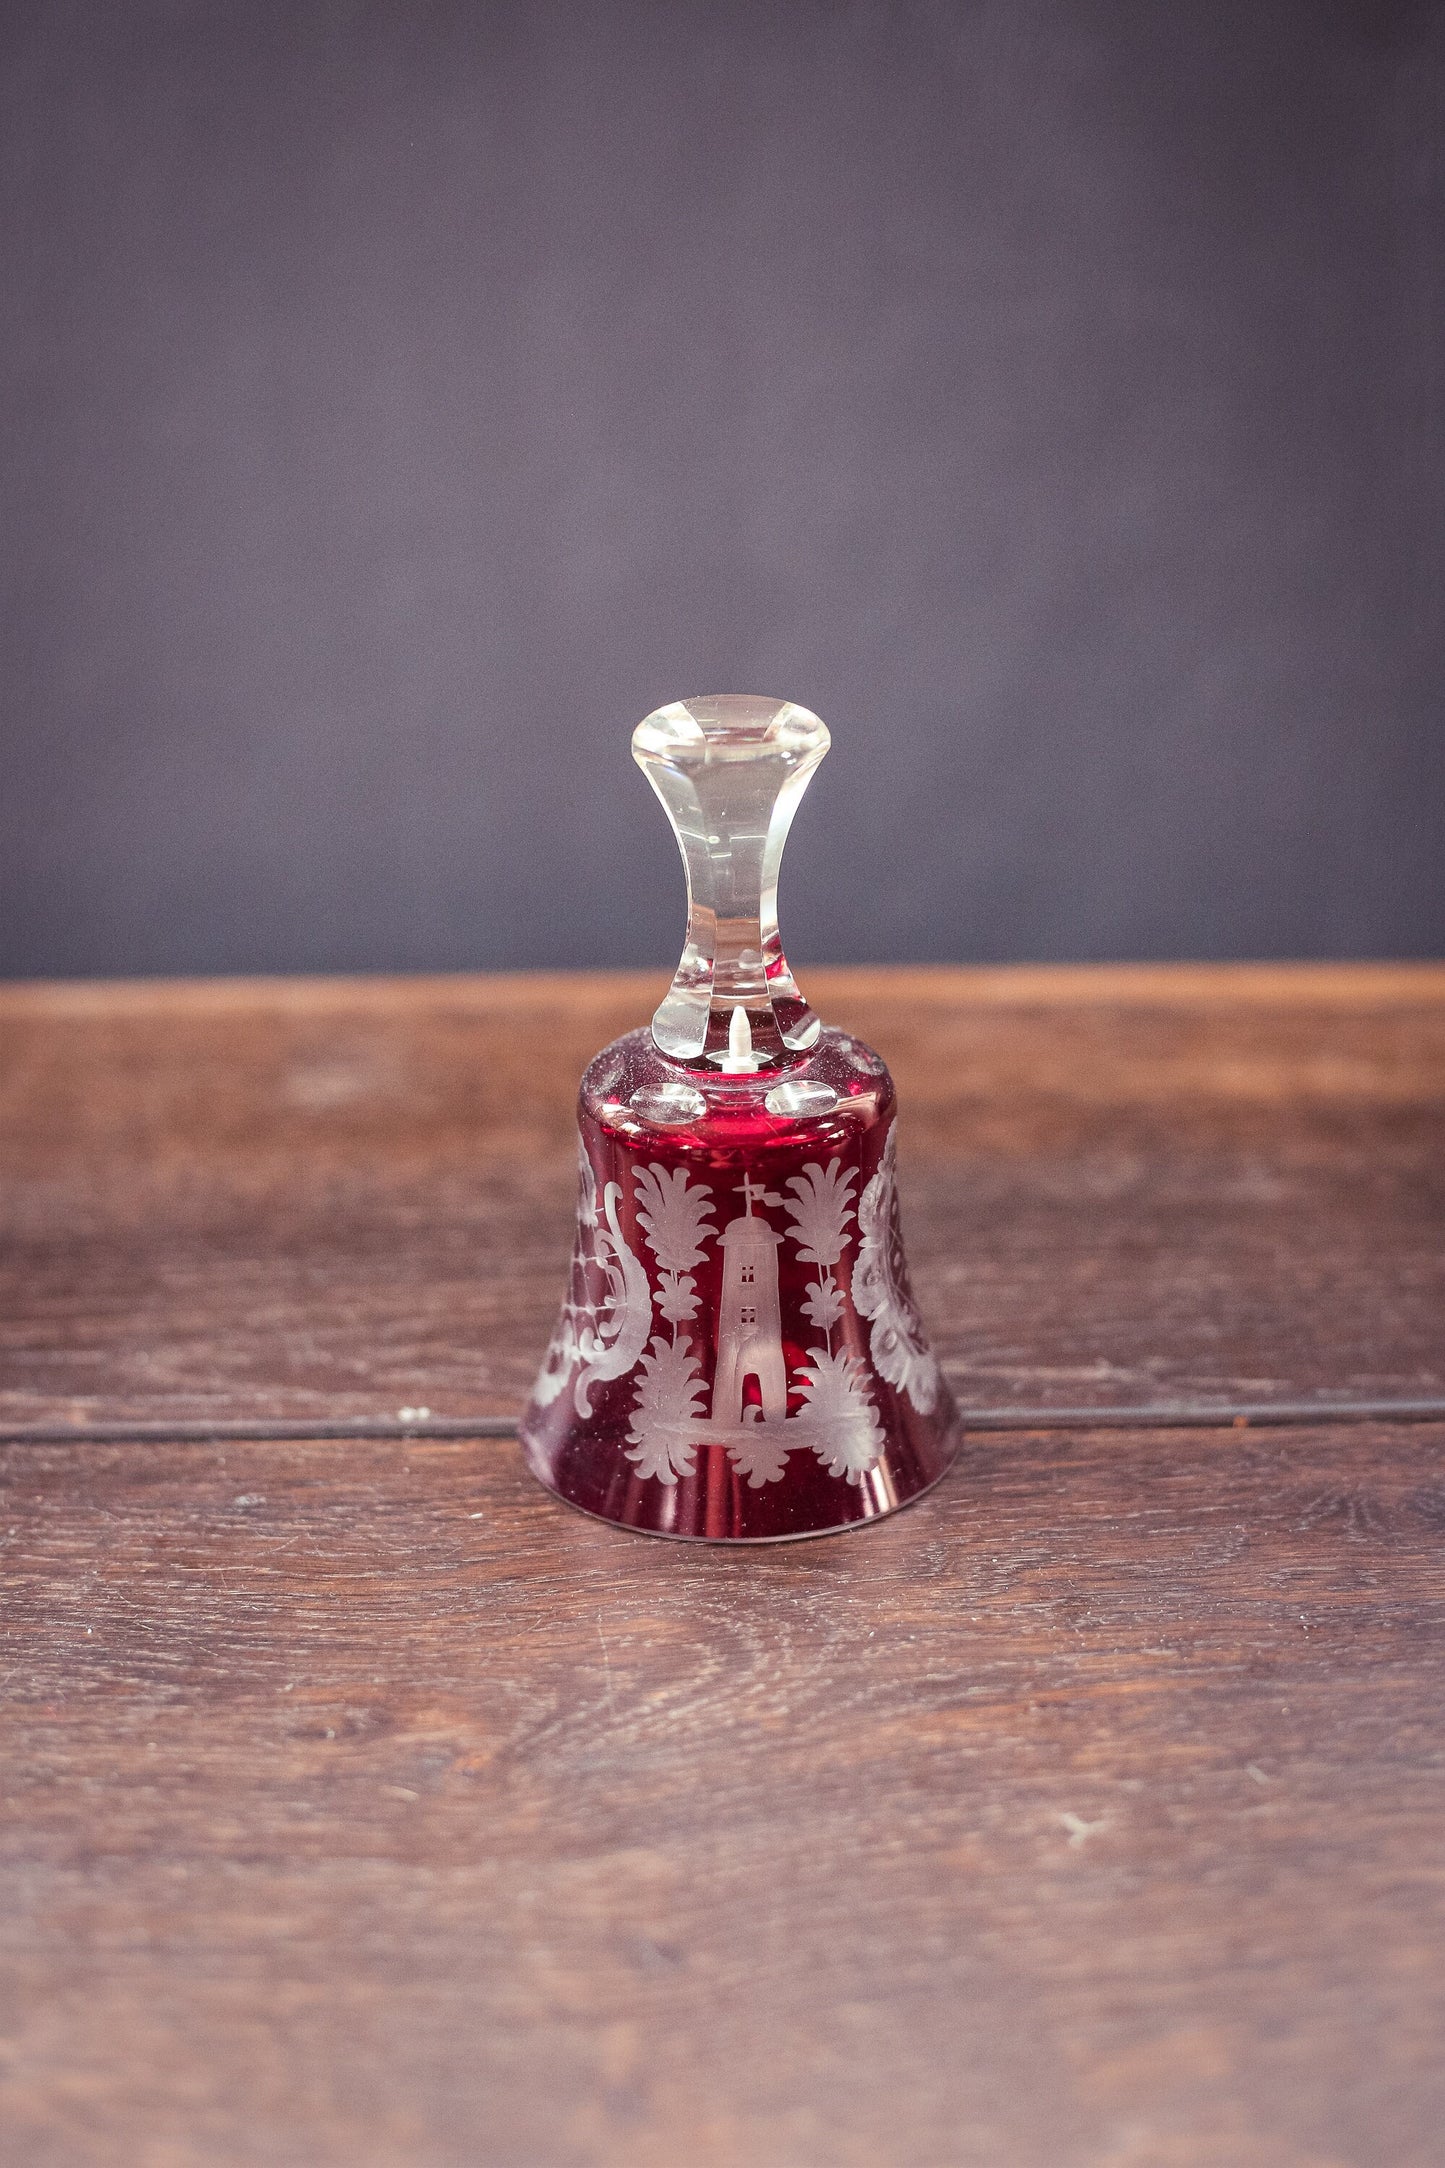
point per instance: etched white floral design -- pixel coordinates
(674, 1214)
(823, 1306)
(608, 1313)
(561, 1354)
(836, 1398)
(669, 1398)
(607, 1328)
(759, 1451)
(820, 1208)
(611, 1341)
(677, 1297)
(900, 1352)
(557, 1362)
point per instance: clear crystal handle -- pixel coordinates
(730, 771)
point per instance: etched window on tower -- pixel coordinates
(747, 1315)
(747, 1274)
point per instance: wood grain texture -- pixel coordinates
(363, 1806)
(303, 1199)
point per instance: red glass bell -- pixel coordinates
(738, 1356)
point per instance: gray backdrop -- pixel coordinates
(399, 400)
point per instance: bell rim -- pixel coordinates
(953, 1447)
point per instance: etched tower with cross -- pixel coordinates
(749, 1330)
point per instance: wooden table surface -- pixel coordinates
(363, 1805)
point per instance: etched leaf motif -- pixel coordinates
(759, 1451)
(669, 1396)
(557, 1363)
(610, 1344)
(900, 1351)
(823, 1304)
(836, 1398)
(674, 1214)
(677, 1297)
(613, 1306)
(820, 1210)
(607, 1314)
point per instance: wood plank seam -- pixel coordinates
(1250, 1416)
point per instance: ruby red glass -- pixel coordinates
(738, 1356)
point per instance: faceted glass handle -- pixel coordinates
(730, 771)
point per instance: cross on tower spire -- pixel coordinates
(755, 1193)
